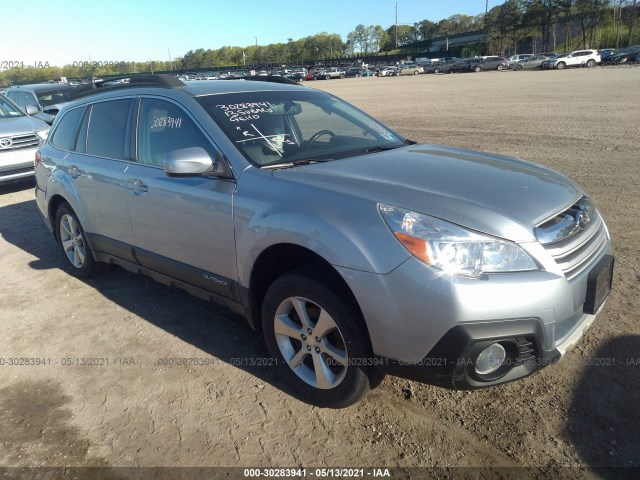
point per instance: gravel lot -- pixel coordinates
(582, 412)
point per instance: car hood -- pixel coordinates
(20, 125)
(493, 194)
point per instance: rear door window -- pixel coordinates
(108, 126)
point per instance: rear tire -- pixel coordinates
(72, 241)
(315, 336)
(591, 63)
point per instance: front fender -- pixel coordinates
(335, 243)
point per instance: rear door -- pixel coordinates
(183, 227)
(95, 167)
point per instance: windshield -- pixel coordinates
(8, 109)
(285, 127)
(47, 99)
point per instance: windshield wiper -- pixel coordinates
(295, 163)
(384, 148)
(380, 148)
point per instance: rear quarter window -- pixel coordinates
(66, 132)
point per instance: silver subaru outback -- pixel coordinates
(355, 251)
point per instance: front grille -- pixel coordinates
(574, 238)
(19, 142)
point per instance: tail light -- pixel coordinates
(37, 159)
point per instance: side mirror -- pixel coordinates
(51, 110)
(188, 162)
(31, 110)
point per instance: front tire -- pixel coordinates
(561, 65)
(314, 333)
(72, 241)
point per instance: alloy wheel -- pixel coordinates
(311, 343)
(72, 240)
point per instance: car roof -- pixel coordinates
(42, 87)
(196, 88)
(213, 87)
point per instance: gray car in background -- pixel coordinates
(354, 251)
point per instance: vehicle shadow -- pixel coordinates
(604, 417)
(211, 328)
(18, 186)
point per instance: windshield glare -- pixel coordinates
(47, 99)
(271, 128)
(8, 109)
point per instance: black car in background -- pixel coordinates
(46, 97)
(355, 72)
(625, 55)
(463, 65)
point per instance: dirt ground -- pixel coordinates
(129, 410)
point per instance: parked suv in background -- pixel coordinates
(579, 58)
(46, 97)
(355, 251)
(20, 137)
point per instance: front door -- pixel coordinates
(183, 227)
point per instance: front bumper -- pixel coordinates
(428, 326)
(16, 165)
(450, 363)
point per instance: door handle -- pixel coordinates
(137, 186)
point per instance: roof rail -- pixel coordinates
(125, 81)
(265, 78)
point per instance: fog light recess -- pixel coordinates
(490, 359)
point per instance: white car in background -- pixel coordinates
(578, 58)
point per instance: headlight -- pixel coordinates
(454, 249)
(43, 134)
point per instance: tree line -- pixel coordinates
(515, 26)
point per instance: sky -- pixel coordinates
(65, 31)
